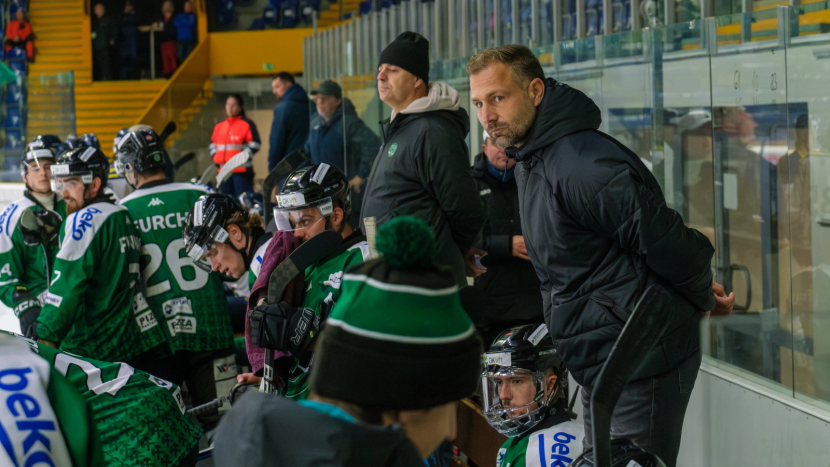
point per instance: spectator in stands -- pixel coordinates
(422, 169)
(598, 232)
(510, 283)
(354, 156)
(168, 40)
(104, 32)
(128, 42)
(19, 34)
(232, 136)
(289, 129)
(185, 23)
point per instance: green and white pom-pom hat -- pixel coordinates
(398, 338)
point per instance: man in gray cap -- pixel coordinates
(423, 167)
(353, 154)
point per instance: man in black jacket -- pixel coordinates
(598, 232)
(422, 169)
(510, 284)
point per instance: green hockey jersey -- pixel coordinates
(189, 302)
(21, 265)
(548, 446)
(322, 282)
(141, 419)
(93, 306)
(43, 419)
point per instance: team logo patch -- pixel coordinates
(392, 149)
(334, 280)
(155, 202)
(176, 306)
(52, 299)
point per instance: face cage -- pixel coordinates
(513, 421)
(282, 215)
(198, 250)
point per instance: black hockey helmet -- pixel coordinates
(312, 186)
(522, 353)
(205, 225)
(91, 140)
(84, 162)
(41, 147)
(73, 142)
(139, 151)
(121, 133)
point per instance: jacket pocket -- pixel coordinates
(614, 312)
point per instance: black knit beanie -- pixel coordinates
(398, 338)
(409, 51)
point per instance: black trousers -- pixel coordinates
(650, 411)
(208, 374)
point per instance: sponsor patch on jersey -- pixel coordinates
(139, 303)
(498, 358)
(556, 446)
(52, 299)
(484, 192)
(146, 321)
(182, 325)
(176, 306)
(500, 456)
(155, 202)
(83, 221)
(334, 280)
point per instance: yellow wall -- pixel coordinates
(251, 52)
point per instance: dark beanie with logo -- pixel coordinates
(409, 51)
(398, 338)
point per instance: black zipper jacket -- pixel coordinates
(598, 232)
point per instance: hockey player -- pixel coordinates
(525, 388)
(22, 267)
(314, 199)
(93, 307)
(187, 300)
(43, 419)
(125, 402)
(397, 354)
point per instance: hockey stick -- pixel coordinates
(643, 330)
(209, 175)
(168, 130)
(240, 159)
(184, 160)
(313, 250)
(287, 165)
(207, 407)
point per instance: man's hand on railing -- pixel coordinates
(723, 303)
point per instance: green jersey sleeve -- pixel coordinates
(141, 419)
(93, 306)
(43, 419)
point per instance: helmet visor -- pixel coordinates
(514, 398)
(64, 178)
(302, 216)
(199, 249)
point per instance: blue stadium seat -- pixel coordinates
(225, 11)
(365, 7)
(14, 141)
(14, 94)
(257, 24)
(270, 14)
(289, 14)
(13, 118)
(308, 7)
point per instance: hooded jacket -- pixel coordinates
(271, 431)
(289, 129)
(598, 232)
(423, 170)
(326, 145)
(510, 284)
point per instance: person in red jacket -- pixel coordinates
(230, 137)
(19, 34)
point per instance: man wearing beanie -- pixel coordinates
(396, 355)
(423, 167)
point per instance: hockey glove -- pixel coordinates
(282, 327)
(27, 309)
(41, 227)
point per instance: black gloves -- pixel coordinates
(27, 309)
(40, 227)
(283, 327)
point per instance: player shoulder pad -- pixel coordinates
(25, 372)
(364, 250)
(256, 264)
(80, 228)
(556, 445)
(9, 219)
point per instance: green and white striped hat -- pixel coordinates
(398, 338)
